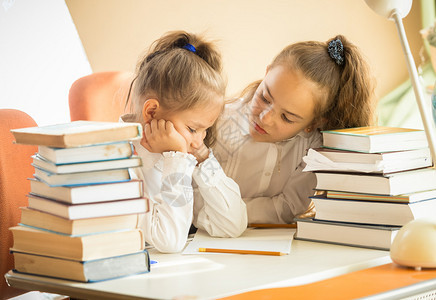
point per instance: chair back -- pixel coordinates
(15, 168)
(99, 96)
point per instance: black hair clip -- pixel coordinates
(336, 51)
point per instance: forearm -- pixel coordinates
(167, 224)
(166, 228)
(283, 207)
(221, 210)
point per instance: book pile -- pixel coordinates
(370, 182)
(81, 220)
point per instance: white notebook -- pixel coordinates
(258, 239)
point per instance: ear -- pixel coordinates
(315, 125)
(149, 109)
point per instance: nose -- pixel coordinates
(197, 140)
(266, 115)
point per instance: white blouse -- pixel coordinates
(269, 175)
(181, 192)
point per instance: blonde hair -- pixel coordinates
(345, 93)
(182, 71)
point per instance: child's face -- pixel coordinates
(193, 123)
(282, 106)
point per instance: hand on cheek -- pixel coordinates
(161, 136)
(201, 153)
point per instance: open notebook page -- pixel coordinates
(261, 239)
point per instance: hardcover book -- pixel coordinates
(78, 133)
(79, 248)
(87, 153)
(88, 210)
(404, 198)
(45, 221)
(372, 139)
(366, 236)
(88, 193)
(326, 159)
(372, 212)
(41, 163)
(82, 178)
(85, 271)
(389, 184)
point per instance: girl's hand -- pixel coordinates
(161, 136)
(201, 153)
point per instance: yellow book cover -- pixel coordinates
(375, 139)
(372, 130)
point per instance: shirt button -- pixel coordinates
(268, 174)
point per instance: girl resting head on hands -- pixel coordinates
(178, 94)
(309, 86)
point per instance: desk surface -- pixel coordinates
(208, 276)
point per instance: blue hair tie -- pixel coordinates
(189, 47)
(336, 51)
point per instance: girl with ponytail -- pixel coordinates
(178, 94)
(263, 136)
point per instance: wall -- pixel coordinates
(250, 32)
(40, 57)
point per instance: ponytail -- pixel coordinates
(182, 71)
(344, 93)
(183, 40)
(352, 106)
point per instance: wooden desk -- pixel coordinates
(209, 276)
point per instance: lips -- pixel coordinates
(259, 129)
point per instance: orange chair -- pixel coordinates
(15, 168)
(100, 96)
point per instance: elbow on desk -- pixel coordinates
(170, 246)
(232, 226)
(239, 227)
(232, 230)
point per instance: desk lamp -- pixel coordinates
(415, 243)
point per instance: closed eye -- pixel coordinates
(284, 118)
(192, 130)
(263, 98)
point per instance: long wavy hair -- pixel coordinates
(344, 96)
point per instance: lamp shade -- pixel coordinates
(415, 244)
(386, 7)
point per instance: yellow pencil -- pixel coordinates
(257, 252)
(262, 225)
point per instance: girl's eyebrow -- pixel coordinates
(268, 91)
(287, 112)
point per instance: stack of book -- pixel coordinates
(370, 182)
(81, 220)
